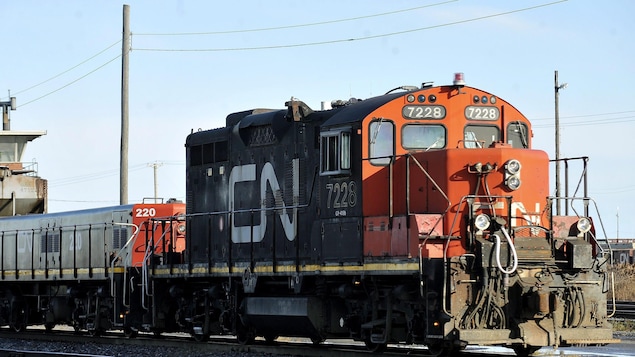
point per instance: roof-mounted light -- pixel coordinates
(459, 79)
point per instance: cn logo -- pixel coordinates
(247, 173)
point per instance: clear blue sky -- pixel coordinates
(60, 59)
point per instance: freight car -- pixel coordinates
(70, 267)
(419, 216)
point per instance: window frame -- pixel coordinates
(467, 143)
(408, 125)
(383, 160)
(335, 151)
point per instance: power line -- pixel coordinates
(66, 71)
(591, 122)
(68, 84)
(318, 43)
(584, 116)
(90, 177)
(103, 174)
(293, 26)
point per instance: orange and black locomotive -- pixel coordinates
(419, 216)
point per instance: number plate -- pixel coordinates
(482, 113)
(423, 112)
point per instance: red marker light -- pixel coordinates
(459, 80)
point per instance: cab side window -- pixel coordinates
(335, 152)
(381, 136)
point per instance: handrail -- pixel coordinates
(149, 252)
(125, 260)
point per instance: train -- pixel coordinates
(421, 216)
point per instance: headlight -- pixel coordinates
(181, 228)
(513, 182)
(512, 174)
(513, 166)
(584, 225)
(481, 222)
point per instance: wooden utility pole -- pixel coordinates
(125, 50)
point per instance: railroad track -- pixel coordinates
(623, 309)
(216, 345)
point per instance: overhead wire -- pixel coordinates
(262, 29)
(202, 33)
(66, 71)
(70, 83)
(90, 177)
(604, 121)
(317, 43)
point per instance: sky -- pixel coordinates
(194, 62)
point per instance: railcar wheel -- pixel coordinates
(525, 351)
(49, 326)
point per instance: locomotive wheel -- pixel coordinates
(438, 349)
(130, 332)
(524, 351)
(19, 320)
(49, 326)
(199, 337)
(270, 339)
(94, 332)
(375, 347)
(244, 334)
(316, 340)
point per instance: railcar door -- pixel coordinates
(340, 192)
(121, 233)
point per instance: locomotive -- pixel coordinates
(421, 216)
(71, 267)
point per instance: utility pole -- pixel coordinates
(10, 104)
(557, 88)
(155, 166)
(617, 234)
(125, 50)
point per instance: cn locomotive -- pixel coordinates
(422, 216)
(72, 268)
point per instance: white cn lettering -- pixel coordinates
(533, 219)
(245, 173)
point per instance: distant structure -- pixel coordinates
(22, 191)
(623, 250)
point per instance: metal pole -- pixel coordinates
(557, 145)
(155, 166)
(125, 50)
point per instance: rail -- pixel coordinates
(624, 310)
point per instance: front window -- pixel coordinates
(335, 152)
(382, 141)
(518, 135)
(480, 136)
(423, 137)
